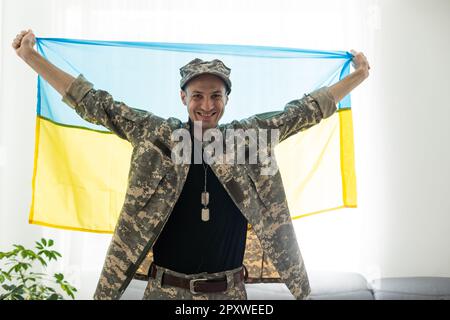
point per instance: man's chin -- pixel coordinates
(206, 124)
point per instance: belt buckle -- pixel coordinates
(192, 284)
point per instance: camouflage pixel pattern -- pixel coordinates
(197, 67)
(155, 183)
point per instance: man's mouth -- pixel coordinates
(205, 115)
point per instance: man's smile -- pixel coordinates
(205, 115)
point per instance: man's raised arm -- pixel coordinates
(301, 114)
(343, 87)
(94, 106)
(57, 78)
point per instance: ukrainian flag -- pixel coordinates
(81, 169)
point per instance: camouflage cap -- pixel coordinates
(197, 67)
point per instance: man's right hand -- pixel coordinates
(57, 78)
(24, 42)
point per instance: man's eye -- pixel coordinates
(216, 96)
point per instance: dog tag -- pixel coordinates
(205, 198)
(205, 214)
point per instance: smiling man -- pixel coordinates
(207, 93)
(193, 217)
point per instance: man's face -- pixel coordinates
(205, 98)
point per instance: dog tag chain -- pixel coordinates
(205, 198)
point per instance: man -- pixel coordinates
(193, 216)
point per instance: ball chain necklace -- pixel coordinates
(205, 196)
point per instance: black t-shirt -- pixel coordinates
(189, 245)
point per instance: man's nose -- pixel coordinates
(208, 104)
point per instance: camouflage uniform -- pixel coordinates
(155, 183)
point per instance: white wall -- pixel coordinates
(410, 130)
(401, 114)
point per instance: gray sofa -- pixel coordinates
(341, 286)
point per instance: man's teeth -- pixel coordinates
(205, 114)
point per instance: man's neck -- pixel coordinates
(196, 130)
(198, 135)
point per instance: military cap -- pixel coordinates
(197, 67)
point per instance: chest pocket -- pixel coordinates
(260, 185)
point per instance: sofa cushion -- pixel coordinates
(268, 291)
(325, 285)
(412, 288)
(335, 285)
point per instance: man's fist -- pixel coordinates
(24, 43)
(359, 61)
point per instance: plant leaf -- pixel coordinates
(54, 296)
(59, 277)
(42, 261)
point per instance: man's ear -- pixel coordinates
(183, 97)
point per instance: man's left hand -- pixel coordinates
(359, 61)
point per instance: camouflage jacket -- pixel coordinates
(155, 183)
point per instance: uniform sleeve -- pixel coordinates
(298, 115)
(99, 107)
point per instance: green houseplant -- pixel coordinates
(19, 282)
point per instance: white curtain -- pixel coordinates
(351, 240)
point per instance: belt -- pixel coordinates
(198, 285)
